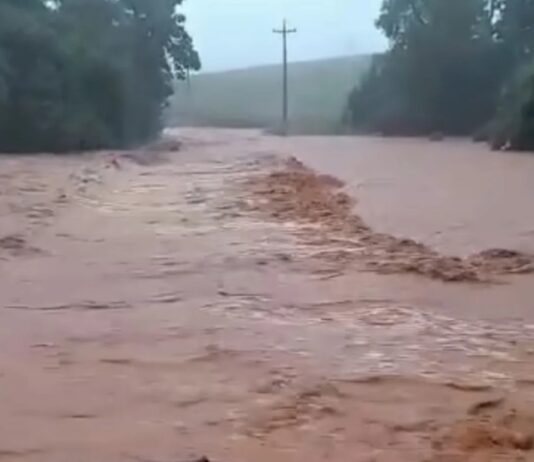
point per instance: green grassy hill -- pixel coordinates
(252, 97)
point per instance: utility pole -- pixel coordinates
(285, 32)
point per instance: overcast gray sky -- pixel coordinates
(238, 33)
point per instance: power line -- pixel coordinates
(285, 32)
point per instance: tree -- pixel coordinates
(85, 74)
(515, 29)
(441, 72)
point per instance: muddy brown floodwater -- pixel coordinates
(251, 298)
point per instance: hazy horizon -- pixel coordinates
(232, 34)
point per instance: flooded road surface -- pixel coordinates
(160, 305)
(457, 196)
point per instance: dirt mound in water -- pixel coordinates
(297, 193)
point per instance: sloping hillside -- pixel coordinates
(252, 97)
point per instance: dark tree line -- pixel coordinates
(86, 74)
(456, 67)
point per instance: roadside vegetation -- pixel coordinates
(86, 74)
(455, 67)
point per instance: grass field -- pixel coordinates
(252, 97)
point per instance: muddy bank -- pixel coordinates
(297, 193)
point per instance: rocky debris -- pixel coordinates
(297, 193)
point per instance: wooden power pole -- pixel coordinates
(285, 32)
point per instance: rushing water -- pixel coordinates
(148, 316)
